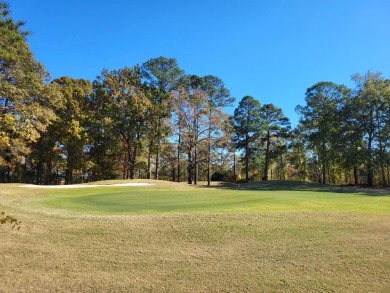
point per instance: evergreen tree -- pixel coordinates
(247, 125)
(161, 75)
(275, 125)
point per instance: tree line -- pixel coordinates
(155, 121)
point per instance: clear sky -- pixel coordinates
(272, 50)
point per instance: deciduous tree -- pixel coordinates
(27, 101)
(371, 115)
(320, 119)
(71, 127)
(125, 108)
(191, 108)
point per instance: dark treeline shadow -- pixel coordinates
(277, 185)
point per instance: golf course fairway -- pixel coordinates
(170, 237)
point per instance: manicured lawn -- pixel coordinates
(273, 237)
(261, 197)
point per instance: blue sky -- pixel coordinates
(272, 50)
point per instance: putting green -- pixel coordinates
(249, 198)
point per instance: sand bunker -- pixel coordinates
(87, 185)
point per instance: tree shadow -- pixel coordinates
(278, 185)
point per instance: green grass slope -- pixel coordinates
(168, 198)
(260, 237)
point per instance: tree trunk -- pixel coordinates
(196, 136)
(157, 163)
(247, 159)
(209, 159)
(149, 175)
(173, 172)
(39, 172)
(178, 154)
(8, 174)
(195, 167)
(234, 167)
(189, 168)
(384, 183)
(132, 171)
(68, 176)
(370, 173)
(132, 163)
(355, 175)
(49, 173)
(282, 167)
(156, 173)
(266, 164)
(323, 164)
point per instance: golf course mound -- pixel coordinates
(144, 197)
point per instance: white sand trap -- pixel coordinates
(86, 185)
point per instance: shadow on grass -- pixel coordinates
(278, 185)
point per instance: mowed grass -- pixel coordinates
(179, 199)
(262, 237)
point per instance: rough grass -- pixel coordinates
(321, 239)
